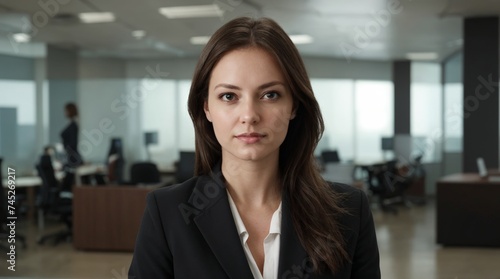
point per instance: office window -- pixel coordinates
(374, 117)
(159, 115)
(426, 111)
(453, 117)
(18, 124)
(185, 125)
(336, 100)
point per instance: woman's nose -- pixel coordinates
(249, 112)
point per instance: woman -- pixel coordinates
(69, 136)
(258, 207)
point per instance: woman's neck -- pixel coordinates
(251, 183)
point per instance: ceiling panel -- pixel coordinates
(424, 25)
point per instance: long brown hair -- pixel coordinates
(314, 206)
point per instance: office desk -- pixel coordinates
(107, 218)
(468, 211)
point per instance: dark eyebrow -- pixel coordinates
(263, 86)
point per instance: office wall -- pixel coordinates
(8, 135)
(9, 47)
(106, 111)
(62, 74)
(317, 67)
(109, 108)
(16, 68)
(17, 121)
(453, 114)
(320, 67)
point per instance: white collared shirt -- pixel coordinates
(271, 243)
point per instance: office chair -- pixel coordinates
(53, 201)
(185, 166)
(330, 156)
(4, 231)
(144, 172)
(388, 183)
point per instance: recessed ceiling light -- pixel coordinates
(199, 40)
(21, 37)
(422, 55)
(301, 39)
(192, 11)
(455, 43)
(139, 33)
(96, 17)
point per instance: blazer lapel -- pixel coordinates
(293, 262)
(217, 226)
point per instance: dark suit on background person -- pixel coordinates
(69, 138)
(188, 231)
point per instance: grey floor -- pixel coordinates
(406, 242)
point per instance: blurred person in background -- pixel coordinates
(69, 136)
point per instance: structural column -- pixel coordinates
(401, 77)
(480, 84)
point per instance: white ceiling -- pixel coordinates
(419, 26)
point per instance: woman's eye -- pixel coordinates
(227, 97)
(271, 95)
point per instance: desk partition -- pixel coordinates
(107, 218)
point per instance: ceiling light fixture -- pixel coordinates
(422, 55)
(21, 37)
(301, 39)
(139, 34)
(199, 40)
(192, 11)
(96, 17)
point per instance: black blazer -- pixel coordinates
(70, 142)
(188, 231)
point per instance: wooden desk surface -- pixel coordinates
(107, 218)
(466, 178)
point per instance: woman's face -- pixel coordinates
(249, 105)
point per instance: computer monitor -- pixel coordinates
(387, 143)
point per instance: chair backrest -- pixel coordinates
(144, 172)
(330, 156)
(50, 185)
(185, 166)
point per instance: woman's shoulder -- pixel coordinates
(192, 191)
(174, 192)
(351, 197)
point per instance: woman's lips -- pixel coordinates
(250, 137)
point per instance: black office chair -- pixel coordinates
(389, 184)
(330, 156)
(53, 201)
(144, 173)
(4, 231)
(185, 166)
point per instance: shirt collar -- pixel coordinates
(274, 228)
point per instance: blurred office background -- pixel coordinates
(384, 72)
